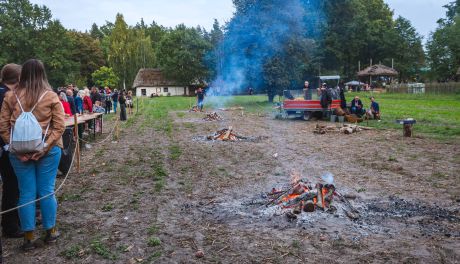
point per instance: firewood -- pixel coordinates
(309, 206)
(308, 195)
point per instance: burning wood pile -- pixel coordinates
(346, 129)
(194, 109)
(213, 117)
(225, 134)
(302, 196)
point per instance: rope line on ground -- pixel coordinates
(104, 140)
(48, 195)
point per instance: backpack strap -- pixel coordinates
(19, 102)
(39, 99)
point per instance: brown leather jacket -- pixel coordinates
(48, 111)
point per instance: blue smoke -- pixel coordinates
(255, 35)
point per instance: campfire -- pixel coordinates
(213, 117)
(194, 109)
(302, 196)
(346, 129)
(226, 134)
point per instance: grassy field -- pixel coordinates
(438, 116)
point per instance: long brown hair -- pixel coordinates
(10, 74)
(33, 82)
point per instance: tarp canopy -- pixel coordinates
(354, 83)
(378, 70)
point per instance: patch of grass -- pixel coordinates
(72, 252)
(360, 190)
(392, 159)
(153, 241)
(175, 152)
(180, 114)
(107, 208)
(295, 244)
(102, 250)
(154, 256)
(71, 197)
(437, 115)
(153, 229)
(438, 175)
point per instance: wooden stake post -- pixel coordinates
(77, 145)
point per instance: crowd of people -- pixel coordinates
(32, 122)
(94, 100)
(327, 94)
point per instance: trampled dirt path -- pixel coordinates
(161, 194)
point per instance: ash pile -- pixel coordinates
(346, 129)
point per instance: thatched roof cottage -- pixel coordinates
(150, 82)
(378, 70)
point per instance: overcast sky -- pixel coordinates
(80, 14)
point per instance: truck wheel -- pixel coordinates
(307, 116)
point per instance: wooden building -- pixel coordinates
(150, 82)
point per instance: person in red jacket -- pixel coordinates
(65, 104)
(87, 103)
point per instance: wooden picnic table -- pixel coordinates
(81, 119)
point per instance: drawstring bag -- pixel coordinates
(27, 134)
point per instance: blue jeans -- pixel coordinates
(115, 104)
(37, 179)
(200, 104)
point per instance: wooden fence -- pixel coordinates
(429, 88)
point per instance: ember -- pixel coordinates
(226, 134)
(213, 117)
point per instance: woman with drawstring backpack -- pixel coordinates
(32, 121)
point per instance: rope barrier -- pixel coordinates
(48, 195)
(104, 140)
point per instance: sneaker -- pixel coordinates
(52, 236)
(28, 245)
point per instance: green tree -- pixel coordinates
(408, 50)
(95, 32)
(105, 76)
(20, 23)
(118, 48)
(181, 54)
(88, 54)
(54, 47)
(443, 47)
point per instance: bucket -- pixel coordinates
(341, 119)
(333, 117)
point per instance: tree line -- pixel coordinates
(342, 34)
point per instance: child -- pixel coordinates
(97, 108)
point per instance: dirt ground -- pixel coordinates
(160, 195)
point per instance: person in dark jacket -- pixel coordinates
(10, 193)
(95, 95)
(343, 100)
(122, 101)
(375, 109)
(115, 100)
(357, 107)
